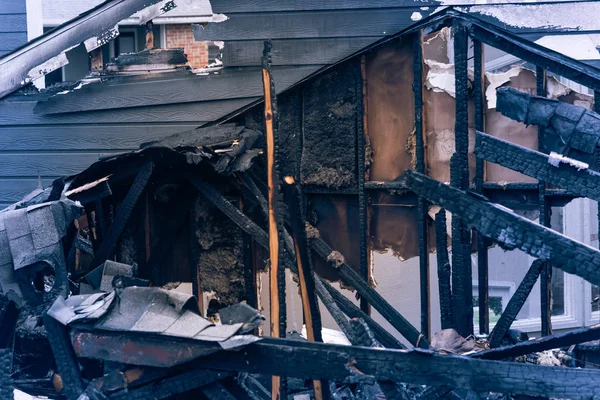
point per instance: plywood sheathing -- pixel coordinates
(336, 218)
(390, 108)
(505, 128)
(330, 120)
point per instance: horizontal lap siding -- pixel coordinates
(13, 25)
(50, 146)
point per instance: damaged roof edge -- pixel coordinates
(95, 22)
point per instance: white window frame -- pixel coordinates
(579, 223)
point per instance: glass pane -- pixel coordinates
(506, 271)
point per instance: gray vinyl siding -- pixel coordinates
(13, 25)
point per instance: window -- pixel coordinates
(125, 43)
(571, 296)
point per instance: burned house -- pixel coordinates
(145, 274)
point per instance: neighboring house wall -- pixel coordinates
(13, 24)
(182, 36)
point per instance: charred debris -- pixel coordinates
(139, 277)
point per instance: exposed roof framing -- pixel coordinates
(17, 65)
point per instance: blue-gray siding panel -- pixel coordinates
(13, 7)
(13, 22)
(12, 40)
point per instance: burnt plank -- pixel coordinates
(21, 113)
(555, 341)
(515, 304)
(584, 182)
(327, 23)
(510, 230)
(352, 311)
(170, 386)
(529, 51)
(114, 231)
(311, 360)
(351, 277)
(241, 53)
(64, 355)
(462, 286)
(180, 88)
(444, 270)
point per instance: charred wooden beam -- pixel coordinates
(544, 219)
(65, 358)
(310, 306)
(171, 386)
(583, 182)
(541, 344)
(362, 171)
(351, 277)
(566, 126)
(311, 360)
(116, 228)
(515, 303)
(216, 391)
(462, 279)
(482, 243)
(422, 206)
(510, 230)
(444, 270)
(352, 311)
(538, 55)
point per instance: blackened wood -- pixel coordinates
(170, 386)
(363, 197)
(529, 51)
(293, 197)
(462, 279)
(216, 391)
(510, 230)
(312, 360)
(422, 207)
(352, 311)
(546, 273)
(114, 231)
(585, 182)
(64, 356)
(541, 344)
(250, 277)
(444, 270)
(482, 245)
(315, 360)
(310, 307)
(515, 303)
(351, 277)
